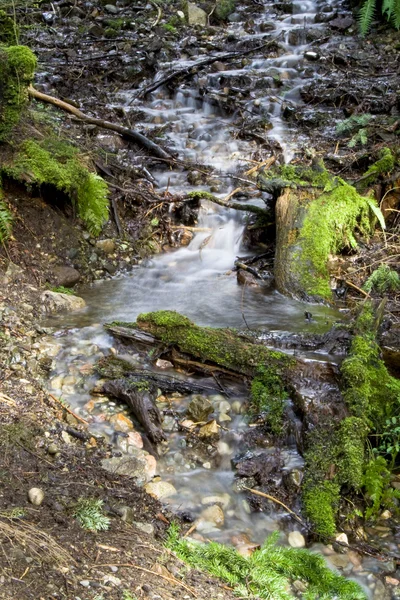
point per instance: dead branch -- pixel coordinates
(200, 64)
(131, 134)
(236, 205)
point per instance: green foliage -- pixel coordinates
(17, 69)
(376, 480)
(224, 8)
(88, 512)
(269, 395)
(328, 228)
(62, 290)
(5, 222)
(390, 11)
(268, 572)
(126, 595)
(383, 279)
(389, 440)
(321, 502)
(57, 163)
(8, 30)
(356, 127)
(384, 164)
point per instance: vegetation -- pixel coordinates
(5, 222)
(390, 11)
(88, 512)
(268, 572)
(356, 126)
(385, 164)
(58, 163)
(382, 280)
(17, 68)
(269, 396)
(223, 9)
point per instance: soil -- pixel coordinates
(87, 65)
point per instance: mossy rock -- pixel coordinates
(17, 69)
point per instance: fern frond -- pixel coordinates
(5, 222)
(367, 12)
(387, 8)
(395, 13)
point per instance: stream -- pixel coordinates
(198, 282)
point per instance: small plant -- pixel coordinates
(390, 10)
(5, 222)
(60, 289)
(383, 279)
(356, 127)
(390, 440)
(126, 595)
(88, 512)
(268, 572)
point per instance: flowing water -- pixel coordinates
(197, 281)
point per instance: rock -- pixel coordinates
(354, 558)
(211, 429)
(14, 272)
(386, 515)
(342, 538)
(339, 560)
(110, 8)
(224, 407)
(66, 276)
(135, 439)
(169, 424)
(236, 407)
(145, 527)
(53, 449)
(160, 489)
(213, 514)
(196, 15)
(223, 418)
(296, 539)
(185, 237)
(300, 586)
(53, 302)
(247, 279)
(223, 499)
(106, 246)
(65, 437)
(36, 496)
(121, 422)
(134, 466)
(342, 23)
(164, 364)
(224, 449)
(199, 409)
(151, 468)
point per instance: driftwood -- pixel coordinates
(200, 64)
(140, 397)
(130, 134)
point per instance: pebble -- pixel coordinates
(296, 539)
(213, 514)
(224, 449)
(85, 583)
(339, 560)
(223, 499)
(52, 449)
(145, 527)
(121, 422)
(224, 418)
(66, 437)
(236, 407)
(36, 496)
(342, 538)
(160, 489)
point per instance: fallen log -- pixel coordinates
(130, 134)
(201, 195)
(140, 397)
(185, 72)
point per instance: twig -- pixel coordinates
(33, 453)
(191, 529)
(258, 493)
(357, 288)
(132, 566)
(159, 14)
(71, 412)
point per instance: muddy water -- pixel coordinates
(197, 281)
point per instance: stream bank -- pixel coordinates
(79, 338)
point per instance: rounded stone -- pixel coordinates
(213, 514)
(36, 496)
(296, 539)
(160, 489)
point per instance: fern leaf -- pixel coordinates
(395, 13)
(377, 212)
(5, 222)
(387, 8)
(367, 12)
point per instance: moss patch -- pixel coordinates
(59, 164)
(8, 30)
(17, 69)
(220, 346)
(269, 395)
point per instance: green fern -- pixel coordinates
(390, 10)
(5, 222)
(268, 572)
(353, 123)
(88, 512)
(383, 279)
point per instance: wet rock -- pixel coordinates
(36, 496)
(106, 246)
(209, 430)
(169, 424)
(110, 8)
(339, 560)
(66, 276)
(160, 489)
(223, 418)
(121, 422)
(296, 539)
(241, 484)
(53, 302)
(342, 23)
(199, 409)
(222, 499)
(131, 466)
(196, 15)
(164, 364)
(213, 514)
(342, 538)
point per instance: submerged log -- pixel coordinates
(140, 397)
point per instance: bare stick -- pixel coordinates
(258, 493)
(131, 134)
(71, 412)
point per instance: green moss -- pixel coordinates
(269, 395)
(58, 164)
(320, 505)
(292, 176)
(351, 438)
(5, 221)
(328, 228)
(112, 367)
(221, 346)
(8, 30)
(385, 164)
(17, 69)
(224, 8)
(371, 393)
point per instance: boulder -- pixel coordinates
(199, 409)
(160, 489)
(54, 302)
(66, 276)
(213, 514)
(196, 15)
